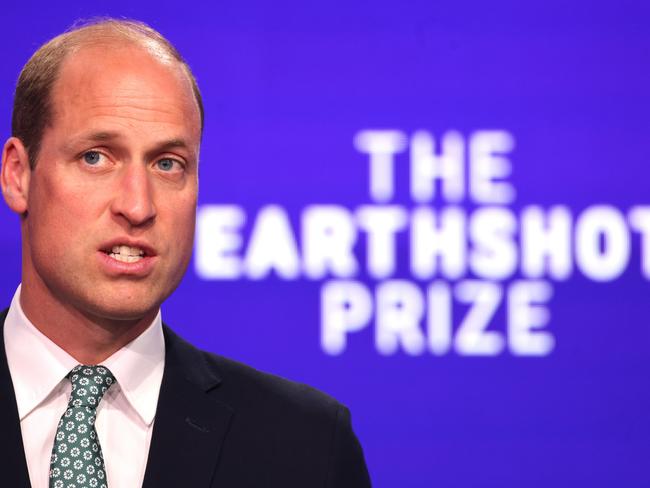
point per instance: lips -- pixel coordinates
(127, 256)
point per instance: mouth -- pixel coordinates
(126, 254)
(125, 257)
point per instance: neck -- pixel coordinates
(87, 337)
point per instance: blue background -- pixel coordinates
(287, 85)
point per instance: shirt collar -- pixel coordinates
(138, 368)
(38, 366)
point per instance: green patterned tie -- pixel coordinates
(77, 460)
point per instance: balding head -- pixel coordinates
(33, 108)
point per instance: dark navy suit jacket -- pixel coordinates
(223, 424)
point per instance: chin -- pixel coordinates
(124, 314)
(122, 307)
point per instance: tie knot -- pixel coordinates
(89, 383)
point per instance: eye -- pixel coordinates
(167, 164)
(92, 157)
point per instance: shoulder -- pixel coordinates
(284, 432)
(269, 386)
(246, 388)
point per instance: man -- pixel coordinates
(94, 389)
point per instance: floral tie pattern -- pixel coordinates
(77, 460)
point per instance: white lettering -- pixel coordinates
(272, 246)
(427, 166)
(439, 326)
(328, 238)
(602, 243)
(433, 238)
(400, 308)
(218, 240)
(381, 223)
(488, 163)
(639, 218)
(346, 306)
(546, 242)
(524, 317)
(471, 338)
(494, 253)
(381, 145)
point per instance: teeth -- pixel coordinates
(126, 254)
(127, 251)
(125, 259)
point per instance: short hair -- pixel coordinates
(32, 110)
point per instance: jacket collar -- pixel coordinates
(12, 452)
(190, 425)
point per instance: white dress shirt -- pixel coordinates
(124, 416)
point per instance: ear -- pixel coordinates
(15, 175)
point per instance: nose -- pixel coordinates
(133, 199)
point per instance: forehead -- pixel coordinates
(124, 81)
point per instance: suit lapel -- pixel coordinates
(189, 427)
(12, 453)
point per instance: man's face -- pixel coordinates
(111, 202)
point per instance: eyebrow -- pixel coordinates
(173, 143)
(92, 137)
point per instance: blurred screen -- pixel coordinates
(436, 212)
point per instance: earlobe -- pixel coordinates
(15, 175)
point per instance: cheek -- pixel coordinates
(58, 214)
(186, 223)
(181, 222)
(177, 208)
(54, 236)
